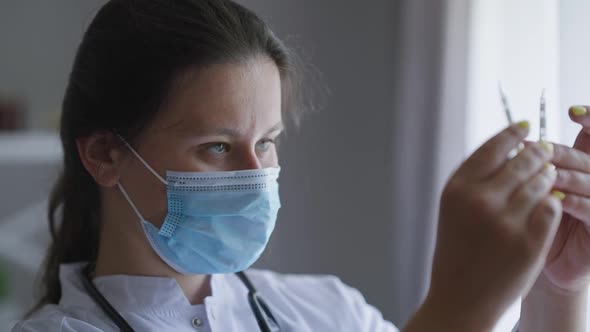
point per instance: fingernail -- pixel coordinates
(550, 166)
(558, 194)
(524, 124)
(578, 110)
(547, 146)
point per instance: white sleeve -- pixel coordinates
(56, 324)
(337, 305)
(366, 315)
(318, 303)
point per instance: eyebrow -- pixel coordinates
(232, 132)
(277, 127)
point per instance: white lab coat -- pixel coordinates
(299, 303)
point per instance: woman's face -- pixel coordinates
(222, 118)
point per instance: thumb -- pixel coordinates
(582, 142)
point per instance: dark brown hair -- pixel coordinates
(129, 58)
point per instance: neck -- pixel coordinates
(124, 249)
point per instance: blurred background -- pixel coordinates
(413, 89)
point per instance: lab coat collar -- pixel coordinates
(128, 293)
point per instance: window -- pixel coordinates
(516, 43)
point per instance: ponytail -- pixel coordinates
(74, 225)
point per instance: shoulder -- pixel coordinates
(52, 318)
(323, 297)
(325, 289)
(274, 279)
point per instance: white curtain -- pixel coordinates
(429, 125)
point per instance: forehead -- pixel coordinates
(243, 96)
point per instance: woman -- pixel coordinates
(169, 190)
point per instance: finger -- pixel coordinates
(528, 143)
(582, 141)
(573, 182)
(578, 207)
(493, 153)
(527, 196)
(521, 168)
(565, 157)
(543, 224)
(580, 114)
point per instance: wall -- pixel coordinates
(38, 40)
(337, 179)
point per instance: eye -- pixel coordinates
(264, 144)
(218, 148)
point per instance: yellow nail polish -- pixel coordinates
(560, 195)
(550, 166)
(547, 146)
(524, 124)
(578, 110)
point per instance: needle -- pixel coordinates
(505, 104)
(508, 117)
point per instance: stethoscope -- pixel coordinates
(264, 317)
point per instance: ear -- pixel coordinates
(101, 154)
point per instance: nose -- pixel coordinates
(248, 160)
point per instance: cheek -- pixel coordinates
(270, 159)
(147, 193)
(155, 204)
(169, 152)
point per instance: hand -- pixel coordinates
(568, 261)
(497, 222)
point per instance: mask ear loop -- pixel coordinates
(122, 189)
(124, 192)
(143, 161)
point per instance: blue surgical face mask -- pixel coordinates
(217, 222)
